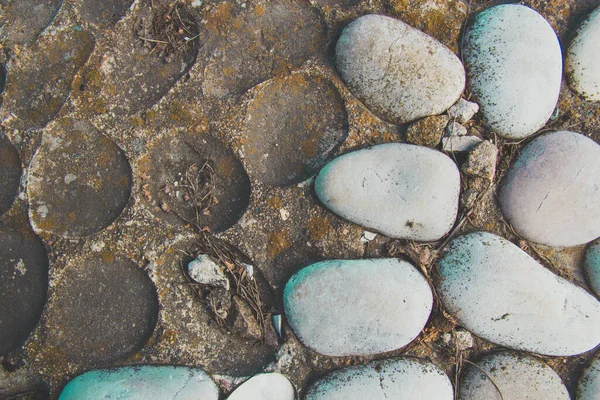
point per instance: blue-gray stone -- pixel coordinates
(591, 266)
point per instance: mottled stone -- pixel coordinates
(10, 173)
(582, 63)
(79, 180)
(459, 144)
(142, 382)
(103, 308)
(399, 190)
(591, 266)
(271, 386)
(24, 20)
(23, 285)
(357, 307)
(292, 126)
(204, 270)
(512, 376)
(498, 292)
(514, 68)
(39, 79)
(398, 72)
(427, 131)
(397, 378)
(463, 110)
(550, 194)
(481, 161)
(455, 129)
(103, 12)
(589, 384)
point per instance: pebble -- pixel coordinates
(591, 266)
(551, 193)
(501, 294)
(357, 307)
(204, 270)
(10, 173)
(455, 129)
(582, 63)
(399, 190)
(514, 65)
(462, 111)
(271, 386)
(459, 144)
(516, 376)
(481, 161)
(398, 378)
(399, 73)
(427, 131)
(589, 384)
(142, 382)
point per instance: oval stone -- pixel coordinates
(582, 64)
(551, 193)
(400, 73)
(589, 384)
(400, 190)
(398, 379)
(514, 68)
(357, 307)
(591, 266)
(501, 294)
(272, 386)
(514, 376)
(142, 382)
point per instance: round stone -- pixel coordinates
(103, 12)
(400, 73)
(103, 308)
(10, 173)
(398, 379)
(271, 386)
(79, 180)
(23, 285)
(400, 190)
(551, 193)
(514, 68)
(292, 126)
(582, 63)
(357, 307)
(498, 292)
(507, 375)
(591, 266)
(589, 384)
(142, 382)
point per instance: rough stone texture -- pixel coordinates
(103, 12)
(38, 83)
(399, 190)
(272, 386)
(427, 131)
(589, 384)
(102, 308)
(357, 307)
(550, 193)
(204, 270)
(10, 173)
(516, 376)
(23, 285)
(23, 20)
(398, 72)
(19, 383)
(498, 292)
(399, 378)
(583, 59)
(514, 69)
(459, 144)
(79, 180)
(592, 266)
(463, 110)
(291, 128)
(174, 164)
(455, 129)
(142, 382)
(481, 161)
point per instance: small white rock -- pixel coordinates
(204, 270)
(455, 129)
(463, 110)
(459, 144)
(589, 384)
(464, 339)
(582, 64)
(272, 386)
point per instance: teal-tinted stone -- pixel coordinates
(592, 266)
(142, 382)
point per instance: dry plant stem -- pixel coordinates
(487, 375)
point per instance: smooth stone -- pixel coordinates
(517, 376)
(551, 193)
(204, 270)
(589, 384)
(459, 144)
(398, 379)
(399, 190)
(582, 63)
(514, 69)
(23, 285)
(498, 292)
(271, 386)
(400, 73)
(591, 266)
(463, 110)
(141, 383)
(24, 20)
(357, 307)
(10, 173)
(103, 12)
(427, 131)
